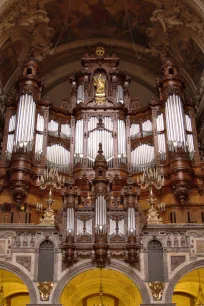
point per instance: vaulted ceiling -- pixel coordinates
(142, 33)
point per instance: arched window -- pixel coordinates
(155, 261)
(46, 262)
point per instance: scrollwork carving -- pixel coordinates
(45, 289)
(157, 289)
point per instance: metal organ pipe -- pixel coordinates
(10, 139)
(39, 136)
(70, 220)
(147, 128)
(142, 156)
(58, 157)
(24, 133)
(190, 141)
(135, 131)
(175, 122)
(161, 136)
(121, 141)
(79, 136)
(131, 220)
(96, 136)
(120, 94)
(100, 214)
(80, 94)
(53, 127)
(65, 130)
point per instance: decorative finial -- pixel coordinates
(100, 151)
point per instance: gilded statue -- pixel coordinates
(100, 89)
(100, 86)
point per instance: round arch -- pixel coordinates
(86, 265)
(178, 275)
(27, 281)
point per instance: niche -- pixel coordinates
(29, 71)
(155, 261)
(46, 262)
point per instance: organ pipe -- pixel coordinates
(10, 139)
(135, 131)
(121, 227)
(100, 136)
(175, 122)
(80, 94)
(121, 138)
(53, 127)
(70, 220)
(147, 128)
(100, 214)
(142, 156)
(131, 220)
(25, 123)
(161, 137)
(84, 228)
(120, 94)
(58, 157)
(39, 136)
(79, 136)
(65, 130)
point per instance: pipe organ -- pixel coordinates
(100, 146)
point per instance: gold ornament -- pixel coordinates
(45, 289)
(157, 289)
(100, 51)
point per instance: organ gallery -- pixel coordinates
(101, 169)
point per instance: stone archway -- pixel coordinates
(86, 265)
(178, 275)
(28, 282)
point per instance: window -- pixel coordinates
(46, 262)
(202, 216)
(155, 261)
(173, 217)
(188, 217)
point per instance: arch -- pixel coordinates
(28, 282)
(51, 239)
(86, 265)
(168, 293)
